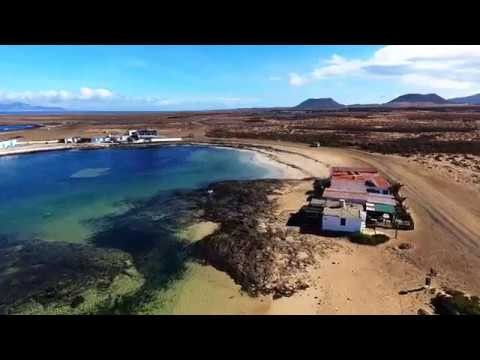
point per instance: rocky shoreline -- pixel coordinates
(252, 245)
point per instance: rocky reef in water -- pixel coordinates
(148, 233)
(252, 245)
(41, 275)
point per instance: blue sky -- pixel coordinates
(215, 77)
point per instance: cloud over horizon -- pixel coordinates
(454, 69)
(295, 79)
(56, 96)
(102, 98)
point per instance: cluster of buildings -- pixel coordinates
(132, 136)
(5, 144)
(354, 198)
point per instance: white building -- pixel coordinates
(4, 144)
(98, 139)
(121, 138)
(143, 134)
(344, 218)
(72, 140)
(102, 140)
(147, 134)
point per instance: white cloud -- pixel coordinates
(455, 68)
(395, 54)
(429, 82)
(56, 96)
(337, 65)
(101, 97)
(295, 79)
(88, 93)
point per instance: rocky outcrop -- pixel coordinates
(260, 254)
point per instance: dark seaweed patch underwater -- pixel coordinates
(53, 273)
(148, 233)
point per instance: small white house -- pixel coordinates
(344, 218)
(72, 140)
(101, 139)
(122, 138)
(8, 143)
(98, 139)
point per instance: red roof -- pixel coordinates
(360, 174)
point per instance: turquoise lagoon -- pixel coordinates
(63, 196)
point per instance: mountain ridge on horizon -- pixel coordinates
(312, 104)
(405, 100)
(319, 104)
(471, 100)
(24, 107)
(415, 98)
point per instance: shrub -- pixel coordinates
(404, 246)
(456, 303)
(364, 239)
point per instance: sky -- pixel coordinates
(230, 76)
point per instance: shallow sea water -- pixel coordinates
(98, 197)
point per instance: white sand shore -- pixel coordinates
(278, 169)
(27, 149)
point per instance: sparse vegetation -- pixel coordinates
(405, 246)
(455, 302)
(388, 131)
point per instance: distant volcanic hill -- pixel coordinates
(22, 107)
(470, 100)
(319, 104)
(417, 100)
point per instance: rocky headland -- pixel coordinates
(253, 244)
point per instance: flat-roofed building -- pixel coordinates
(344, 218)
(315, 202)
(361, 186)
(5, 144)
